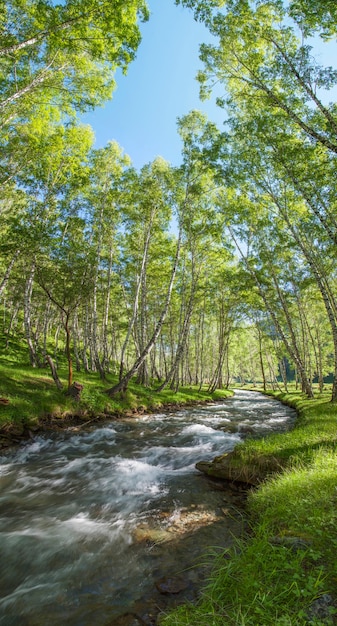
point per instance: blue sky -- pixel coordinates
(160, 86)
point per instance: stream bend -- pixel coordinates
(89, 521)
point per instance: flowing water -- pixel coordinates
(90, 521)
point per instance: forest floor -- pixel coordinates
(30, 401)
(284, 572)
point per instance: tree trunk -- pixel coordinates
(283, 373)
(139, 284)
(259, 334)
(85, 339)
(66, 319)
(14, 313)
(173, 373)
(95, 352)
(290, 345)
(27, 316)
(8, 271)
(200, 360)
(123, 383)
(321, 281)
(306, 385)
(51, 364)
(320, 367)
(75, 343)
(105, 358)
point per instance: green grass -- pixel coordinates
(316, 426)
(33, 395)
(289, 558)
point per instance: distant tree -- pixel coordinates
(100, 201)
(67, 277)
(198, 228)
(41, 228)
(170, 181)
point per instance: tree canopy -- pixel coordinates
(220, 269)
(64, 54)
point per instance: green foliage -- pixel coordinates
(86, 243)
(202, 8)
(64, 53)
(302, 501)
(34, 398)
(315, 15)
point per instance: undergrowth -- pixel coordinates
(32, 394)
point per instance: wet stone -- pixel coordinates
(230, 428)
(150, 536)
(246, 430)
(171, 584)
(128, 619)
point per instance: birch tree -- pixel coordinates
(65, 54)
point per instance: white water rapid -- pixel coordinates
(90, 520)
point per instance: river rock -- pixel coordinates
(231, 467)
(229, 428)
(171, 584)
(321, 609)
(246, 430)
(128, 619)
(152, 536)
(294, 543)
(222, 467)
(203, 466)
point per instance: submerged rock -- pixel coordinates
(128, 619)
(171, 584)
(204, 466)
(152, 536)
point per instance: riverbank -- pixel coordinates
(30, 401)
(284, 571)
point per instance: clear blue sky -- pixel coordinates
(160, 86)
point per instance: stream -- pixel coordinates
(98, 523)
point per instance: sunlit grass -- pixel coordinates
(315, 427)
(289, 557)
(32, 394)
(303, 502)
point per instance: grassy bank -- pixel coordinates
(30, 398)
(285, 571)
